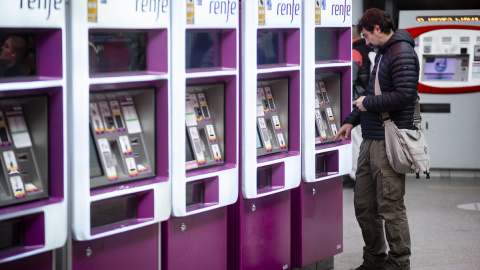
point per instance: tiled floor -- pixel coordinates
(444, 236)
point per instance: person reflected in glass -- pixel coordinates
(15, 57)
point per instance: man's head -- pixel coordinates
(376, 27)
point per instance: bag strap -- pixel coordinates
(378, 91)
(385, 115)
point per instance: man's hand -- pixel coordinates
(344, 132)
(359, 103)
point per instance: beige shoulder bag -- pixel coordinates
(407, 150)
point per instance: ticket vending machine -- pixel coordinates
(33, 201)
(120, 124)
(326, 101)
(270, 133)
(448, 48)
(204, 133)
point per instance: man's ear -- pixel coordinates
(376, 29)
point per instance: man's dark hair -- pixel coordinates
(375, 16)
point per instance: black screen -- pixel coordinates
(119, 121)
(3, 134)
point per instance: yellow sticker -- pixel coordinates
(261, 12)
(92, 10)
(318, 12)
(190, 11)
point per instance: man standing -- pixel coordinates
(379, 189)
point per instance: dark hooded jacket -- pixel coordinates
(398, 78)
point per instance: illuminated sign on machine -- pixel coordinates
(469, 18)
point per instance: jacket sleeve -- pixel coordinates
(353, 118)
(400, 69)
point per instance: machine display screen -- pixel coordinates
(326, 44)
(188, 149)
(95, 166)
(439, 68)
(18, 54)
(203, 49)
(117, 51)
(270, 47)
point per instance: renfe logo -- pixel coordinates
(39, 5)
(223, 7)
(146, 6)
(287, 9)
(341, 10)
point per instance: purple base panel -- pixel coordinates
(198, 121)
(214, 140)
(283, 147)
(100, 132)
(263, 236)
(269, 150)
(110, 131)
(274, 110)
(202, 245)
(135, 249)
(327, 103)
(278, 129)
(42, 261)
(6, 143)
(218, 159)
(113, 179)
(143, 170)
(134, 175)
(201, 163)
(121, 130)
(318, 221)
(20, 197)
(207, 119)
(128, 153)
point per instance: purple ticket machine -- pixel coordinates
(204, 133)
(326, 100)
(33, 201)
(270, 133)
(119, 124)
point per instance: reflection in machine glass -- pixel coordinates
(18, 54)
(203, 49)
(117, 52)
(270, 47)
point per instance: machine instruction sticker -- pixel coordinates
(18, 128)
(324, 92)
(5, 140)
(131, 118)
(334, 129)
(261, 12)
(196, 108)
(31, 188)
(107, 117)
(190, 11)
(197, 145)
(190, 117)
(131, 167)
(265, 135)
(321, 125)
(10, 162)
(203, 105)
(108, 159)
(211, 133)
(92, 10)
(117, 116)
(281, 141)
(260, 102)
(276, 123)
(318, 95)
(318, 13)
(17, 187)
(125, 145)
(330, 115)
(269, 95)
(96, 120)
(216, 153)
